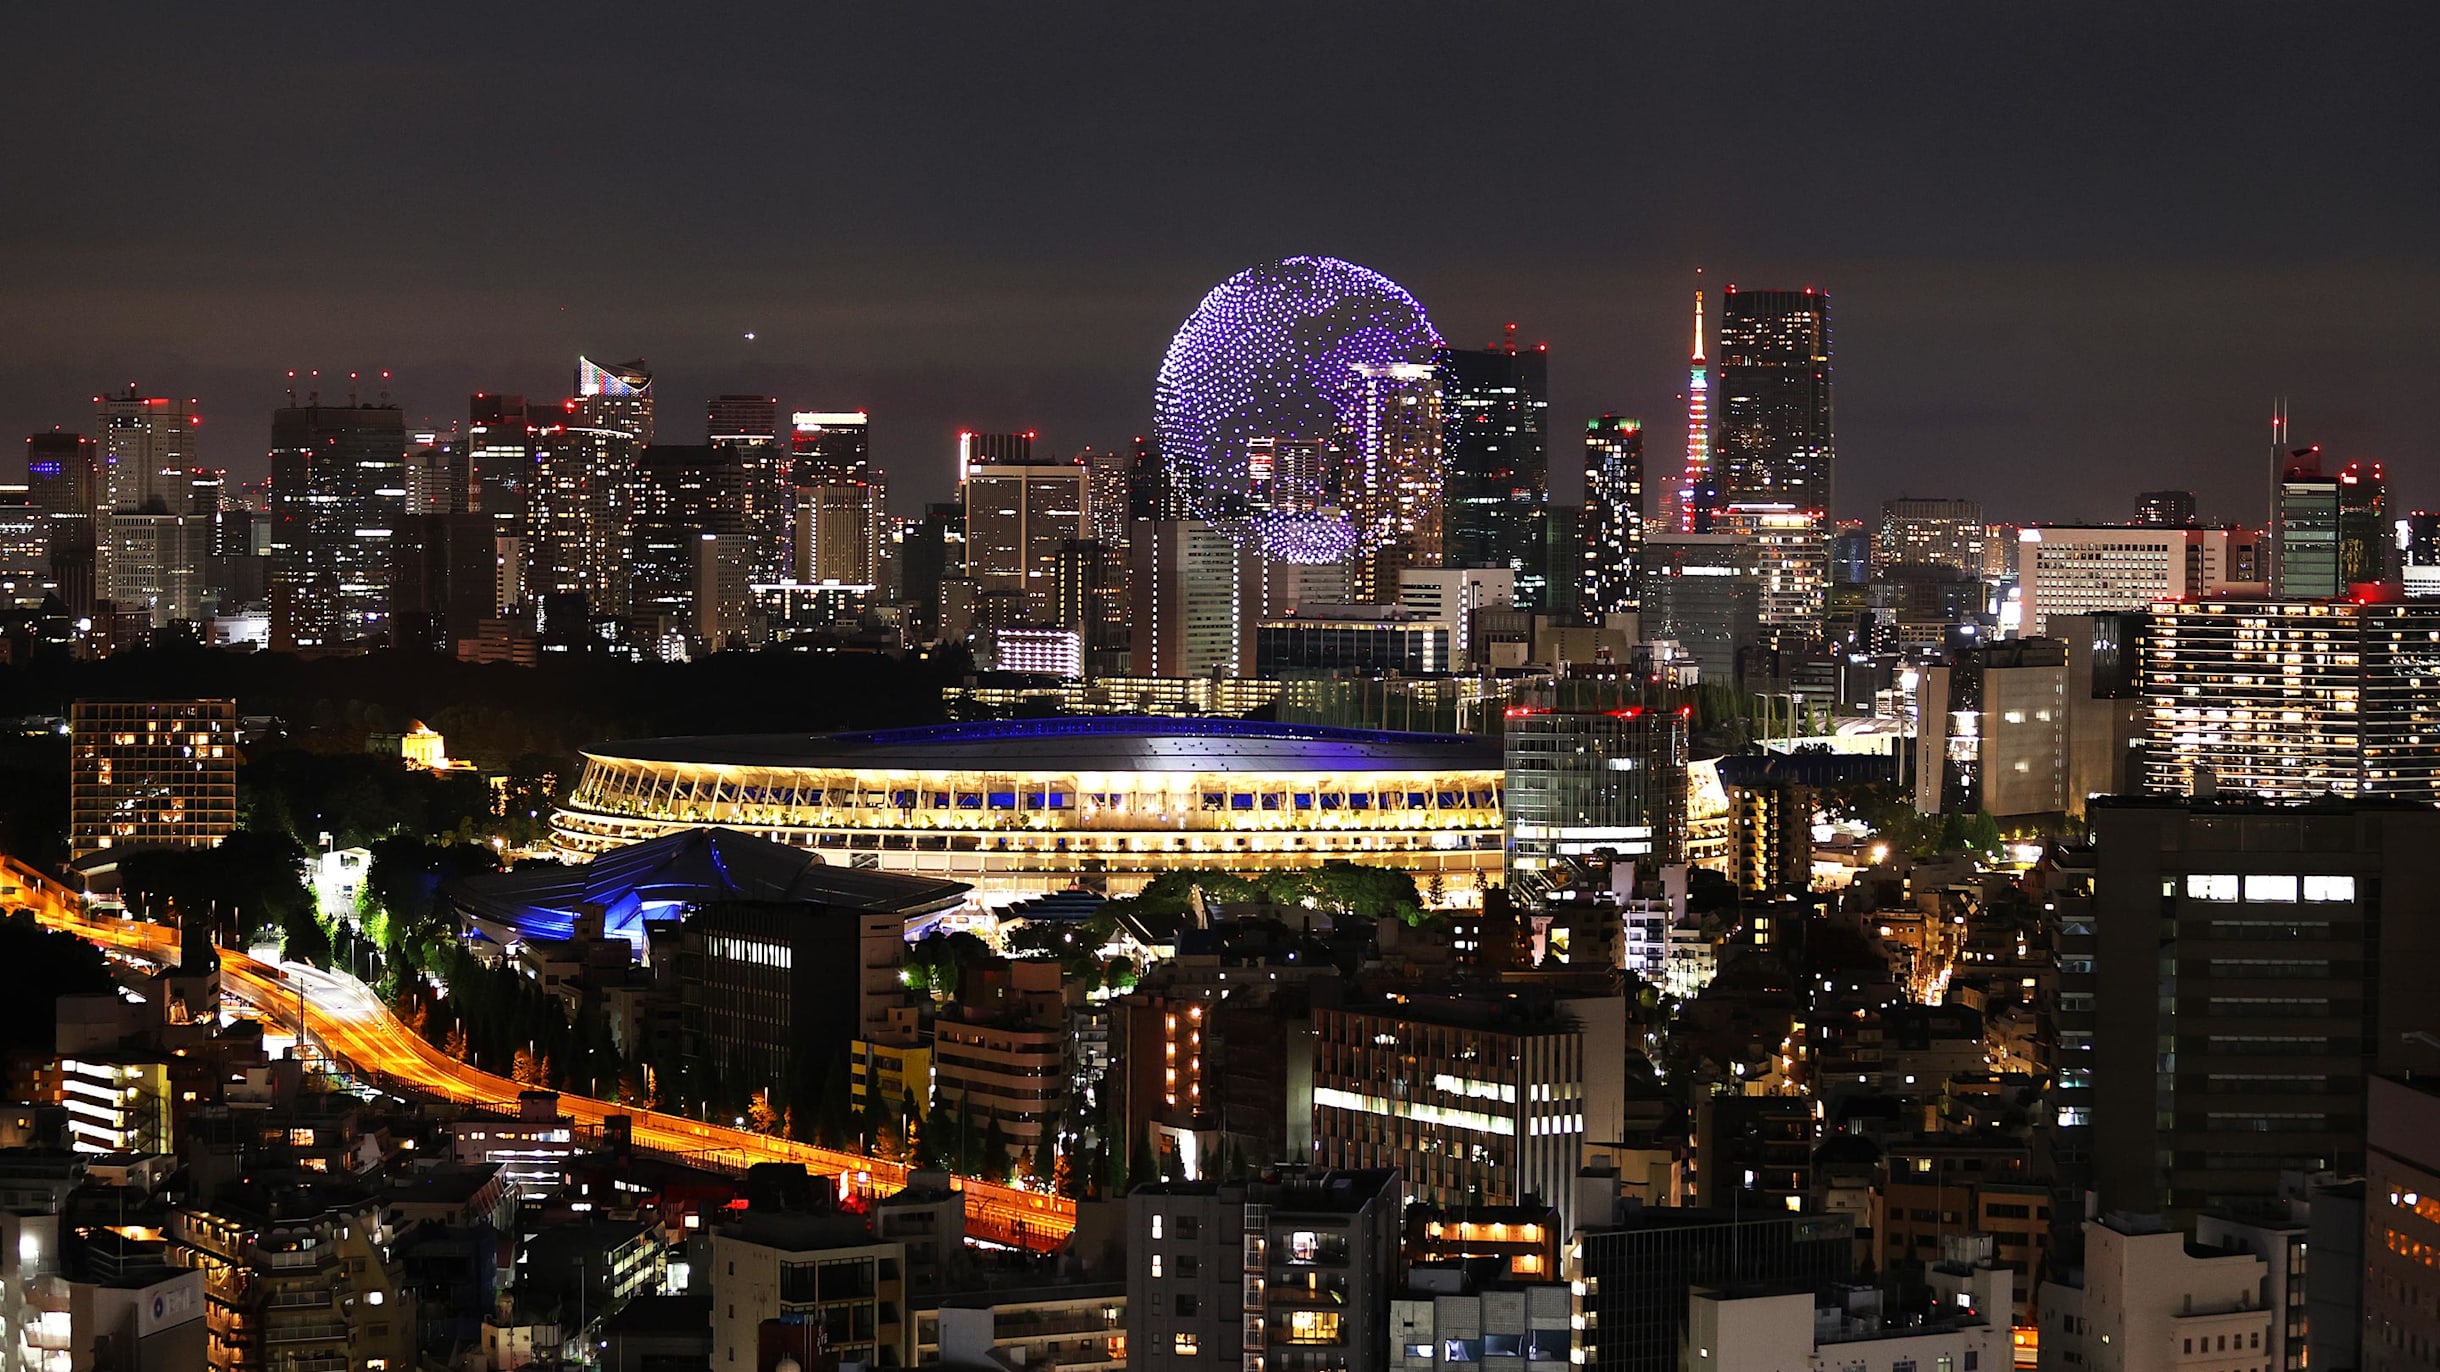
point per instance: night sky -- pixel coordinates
(2073, 251)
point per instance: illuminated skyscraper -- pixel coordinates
(748, 425)
(337, 498)
(2307, 561)
(63, 473)
(1773, 440)
(1394, 496)
(618, 398)
(2165, 509)
(1687, 509)
(1019, 513)
(840, 496)
(147, 443)
(2367, 544)
(1791, 559)
(1613, 522)
(1495, 449)
(1939, 533)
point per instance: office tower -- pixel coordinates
(2401, 1232)
(1562, 553)
(617, 398)
(501, 457)
(840, 499)
(1186, 603)
(153, 564)
(2252, 965)
(1452, 597)
(1109, 474)
(151, 774)
(749, 425)
(1156, 489)
(1774, 440)
(1289, 1273)
(1091, 599)
(1991, 731)
(147, 443)
(1018, 513)
(2104, 705)
(1473, 1100)
(1686, 507)
(444, 580)
(2292, 699)
(935, 551)
(1791, 562)
(1940, 533)
(2305, 560)
(2165, 509)
(1613, 518)
(1703, 592)
(1495, 449)
(336, 500)
(63, 474)
(2065, 570)
(1396, 502)
(207, 491)
(1351, 641)
(2367, 542)
(25, 554)
(1015, 449)
(436, 474)
(683, 493)
(1638, 1265)
(1592, 783)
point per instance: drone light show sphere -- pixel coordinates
(1269, 399)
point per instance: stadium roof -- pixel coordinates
(659, 878)
(1119, 743)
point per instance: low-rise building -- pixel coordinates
(2150, 1297)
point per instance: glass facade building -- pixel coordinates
(1772, 432)
(1613, 519)
(1593, 782)
(1495, 407)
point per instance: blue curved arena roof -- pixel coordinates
(1116, 743)
(659, 878)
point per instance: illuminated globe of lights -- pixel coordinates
(1262, 398)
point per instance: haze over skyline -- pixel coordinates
(2051, 288)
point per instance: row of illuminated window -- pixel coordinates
(2268, 887)
(751, 951)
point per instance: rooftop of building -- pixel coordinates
(991, 1297)
(690, 1314)
(1113, 743)
(1312, 1190)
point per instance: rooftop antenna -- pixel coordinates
(292, 388)
(313, 396)
(385, 386)
(2269, 555)
(351, 390)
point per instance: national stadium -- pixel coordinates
(1022, 807)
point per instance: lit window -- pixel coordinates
(1156, 1264)
(2271, 887)
(2212, 887)
(1156, 1228)
(1183, 1345)
(2329, 888)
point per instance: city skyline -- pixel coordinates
(2047, 334)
